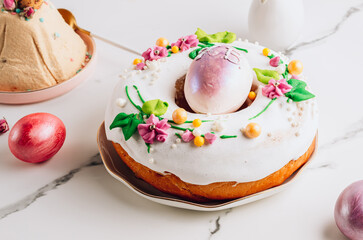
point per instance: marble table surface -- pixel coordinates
(73, 197)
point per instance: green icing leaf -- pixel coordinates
(298, 92)
(266, 75)
(156, 107)
(220, 37)
(128, 123)
(193, 54)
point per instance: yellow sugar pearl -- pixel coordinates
(252, 130)
(252, 95)
(162, 42)
(197, 122)
(199, 141)
(175, 49)
(266, 52)
(295, 67)
(180, 116)
(137, 61)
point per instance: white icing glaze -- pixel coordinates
(236, 159)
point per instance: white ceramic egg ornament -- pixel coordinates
(218, 80)
(276, 24)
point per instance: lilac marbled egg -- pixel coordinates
(218, 80)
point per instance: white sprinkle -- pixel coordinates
(121, 102)
(256, 43)
(301, 109)
(293, 124)
(138, 71)
(239, 39)
(145, 68)
(300, 113)
(294, 113)
(196, 132)
(288, 109)
(296, 124)
(178, 140)
(151, 160)
(246, 40)
(298, 105)
(151, 83)
(173, 146)
(132, 73)
(151, 150)
(209, 114)
(297, 134)
(281, 104)
(268, 134)
(126, 70)
(163, 60)
(145, 77)
(289, 119)
(279, 53)
(154, 74)
(217, 126)
(158, 70)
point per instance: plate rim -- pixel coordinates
(194, 205)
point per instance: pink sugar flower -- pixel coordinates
(184, 43)
(210, 137)
(9, 4)
(154, 129)
(140, 66)
(4, 126)
(29, 12)
(275, 89)
(274, 62)
(155, 53)
(187, 136)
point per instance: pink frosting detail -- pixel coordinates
(274, 62)
(29, 12)
(275, 89)
(154, 129)
(155, 53)
(184, 43)
(210, 137)
(187, 136)
(140, 66)
(9, 4)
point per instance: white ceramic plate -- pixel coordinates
(59, 89)
(119, 170)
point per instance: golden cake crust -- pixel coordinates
(172, 184)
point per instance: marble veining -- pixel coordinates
(30, 199)
(351, 11)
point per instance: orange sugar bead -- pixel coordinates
(197, 122)
(137, 61)
(180, 116)
(266, 52)
(199, 141)
(175, 49)
(252, 95)
(295, 67)
(162, 42)
(252, 130)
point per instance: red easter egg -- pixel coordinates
(37, 137)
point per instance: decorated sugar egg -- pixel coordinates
(218, 80)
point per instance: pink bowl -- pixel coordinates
(59, 89)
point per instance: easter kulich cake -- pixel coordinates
(209, 117)
(38, 49)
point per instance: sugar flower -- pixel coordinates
(9, 4)
(184, 43)
(210, 137)
(154, 129)
(275, 89)
(155, 53)
(4, 126)
(28, 12)
(187, 136)
(274, 62)
(140, 66)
